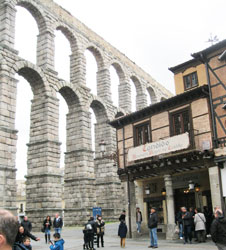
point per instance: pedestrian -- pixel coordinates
(8, 230)
(218, 229)
(23, 233)
(180, 223)
(209, 218)
(27, 243)
(100, 231)
(123, 216)
(122, 232)
(152, 225)
(138, 219)
(89, 231)
(57, 223)
(26, 224)
(58, 242)
(200, 227)
(47, 226)
(187, 225)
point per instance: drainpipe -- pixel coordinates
(128, 184)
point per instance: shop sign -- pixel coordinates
(168, 145)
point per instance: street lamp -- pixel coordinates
(191, 185)
(102, 145)
(163, 191)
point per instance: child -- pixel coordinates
(27, 243)
(122, 231)
(58, 243)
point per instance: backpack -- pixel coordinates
(89, 226)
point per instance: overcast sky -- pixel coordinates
(154, 34)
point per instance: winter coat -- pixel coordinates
(122, 230)
(179, 217)
(122, 217)
(57, 223)
(47, 226)
(153, 220)
(58, 245)
(21, 236)
(218, 230)
(187, 219)
(138, 216)
(100, 227)
(26, 225)
(200, 221)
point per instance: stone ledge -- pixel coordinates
(8, 130)
(79, 179)
(79, 151)
(108, 183)
(42, 175)
(43, 142)
(8, 168)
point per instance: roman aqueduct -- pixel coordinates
(88, 182)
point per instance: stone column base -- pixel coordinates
(170, 232)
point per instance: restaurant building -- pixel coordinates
(166, 158)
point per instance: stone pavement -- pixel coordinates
(74, 240)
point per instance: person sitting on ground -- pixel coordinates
(8, 229)
(26, 224)
(22, 233)
(58, 243)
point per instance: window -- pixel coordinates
(191, 81)
(142, 134)
(180, 122)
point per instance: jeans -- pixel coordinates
(180, 230)
(47, 231)
(138, 226)
(57, 230)
(153, 237)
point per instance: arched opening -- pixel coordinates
(114, 86)
(91, 71)
(93, 122)
(26, 31)
(22, 124)
(62, 55)
(152, 96)
(133, 96)
(62, 128)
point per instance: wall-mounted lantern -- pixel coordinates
(147, 189)
(197, 187)
(163, 192)
(191, 185)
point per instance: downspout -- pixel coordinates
(128, 184)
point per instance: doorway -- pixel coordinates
(182, 199)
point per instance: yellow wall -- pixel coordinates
(179, 81)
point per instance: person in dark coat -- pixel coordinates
(89, 231)
(180, 223)
(218, 230)
(152, 225)
(187, 225)
(22, 233)
(138, 219)
(26, 224)
(209, 218)
(57, 223)
(122, 216)
(122, 232)
(27, 243)
(100, 231)
(47, 226)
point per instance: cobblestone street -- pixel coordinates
(74, 240)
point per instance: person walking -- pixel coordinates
(138, 219)
(187, 225)
(57, 223)
(218, 229)
(152, 224)
(26, 224)
(200, 227)
(47, 226)
(100, 231)
(122, 232)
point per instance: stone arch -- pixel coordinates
(100, 110)
(137, 84)
(98, 56)
(152, 94)
(119, 69)
(35, 11)
(33, 75)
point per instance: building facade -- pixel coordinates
(166, 158)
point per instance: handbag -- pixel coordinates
(43, 230)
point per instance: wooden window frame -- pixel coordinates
(135, 127)
(190, 76)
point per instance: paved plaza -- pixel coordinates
(74, 240)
